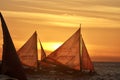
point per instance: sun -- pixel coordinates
(51, 46)
(48, 47)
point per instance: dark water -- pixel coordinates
(105, 71)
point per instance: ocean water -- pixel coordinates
(104, 70)
(107, 71)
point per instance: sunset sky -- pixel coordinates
(56, 20)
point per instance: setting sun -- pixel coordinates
(51, 46)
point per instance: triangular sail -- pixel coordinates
(68, 53)
(86, 61)
(43, 54)
(11, 64)
(28, 53)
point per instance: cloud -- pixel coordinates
(107, 9)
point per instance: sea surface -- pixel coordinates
(104, 71)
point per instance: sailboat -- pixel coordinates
(73, 54)
(28, 53)
(11, 64)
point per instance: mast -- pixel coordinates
(80, 50)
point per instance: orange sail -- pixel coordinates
(28, 53)
(86, 61)
(73, 54)
(43, 54)
(11, 64)
(68, 53)
(42, 63)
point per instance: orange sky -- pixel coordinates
(56, 20)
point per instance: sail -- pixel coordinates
(69, 53)
(43, 54)
(86, 61)
(28, 53)
(11, 64)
